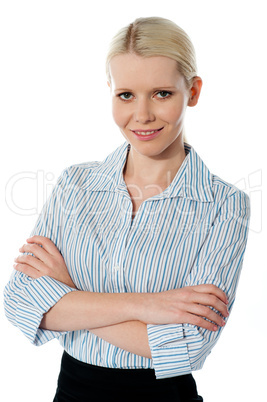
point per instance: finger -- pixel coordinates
(206, 313)
(28, 270)
(45, 242)
(31, 261)
(211, 289)
(200, 322)
(37, 251)
(211, 301)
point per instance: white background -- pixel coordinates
(55, 111)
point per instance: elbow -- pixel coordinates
(21, 315)
(200, 347)
(10, 305)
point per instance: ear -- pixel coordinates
(194, 92)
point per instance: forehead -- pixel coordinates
(131, 70)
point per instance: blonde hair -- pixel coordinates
(155, 36)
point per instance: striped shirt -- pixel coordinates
(194, 232)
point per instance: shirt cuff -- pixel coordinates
(39, 297)
(169, 350)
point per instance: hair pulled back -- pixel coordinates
(155, 36)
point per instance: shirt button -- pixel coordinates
(116, 268)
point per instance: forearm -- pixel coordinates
(85, 310)
(106, 315)
(130, 336)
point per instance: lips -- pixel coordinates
(147, 134)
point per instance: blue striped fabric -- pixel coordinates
(192, 233)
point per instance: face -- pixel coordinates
(149, 101)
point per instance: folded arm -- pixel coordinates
(181, 348)
(176, 327)
(121, 318)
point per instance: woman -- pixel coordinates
(134, 261)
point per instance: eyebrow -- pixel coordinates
(153, 89)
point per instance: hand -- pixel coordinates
(191, 305)
(46, 260)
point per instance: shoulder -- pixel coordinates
(230, 203)
(226, 190)
(205, 186)
(80, 173)
(94, 173)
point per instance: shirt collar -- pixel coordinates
(108, 174)
(193, 180)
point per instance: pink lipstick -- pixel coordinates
(145, 135)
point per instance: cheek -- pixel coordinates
(180, 111)
(119, 114)
(173, 114)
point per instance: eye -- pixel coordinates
(163, 94)
(125, 96)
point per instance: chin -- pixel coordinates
(151, 150)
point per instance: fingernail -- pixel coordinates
(14, 266)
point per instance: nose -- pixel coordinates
(143, 111)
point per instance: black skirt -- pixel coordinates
(83, 382)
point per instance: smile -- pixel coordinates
(147, 132)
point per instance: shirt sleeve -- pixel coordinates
(26, 300)
(180, 349)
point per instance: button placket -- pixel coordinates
(116, 268)
(120, 239)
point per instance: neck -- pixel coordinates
(151, 170)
